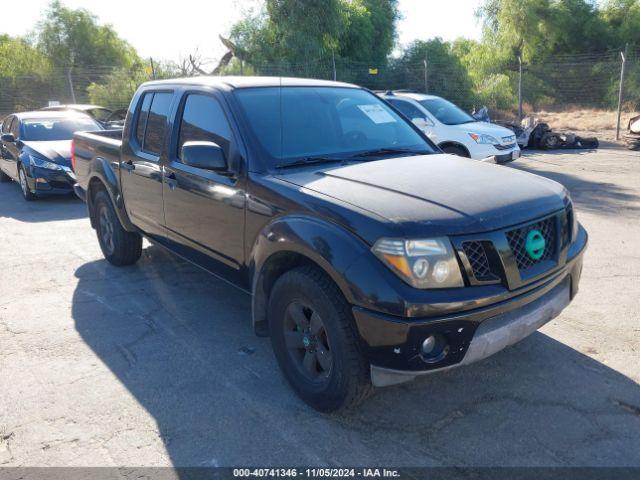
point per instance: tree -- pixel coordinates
(290, 32)
(69, 37)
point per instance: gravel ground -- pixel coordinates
(157, 364)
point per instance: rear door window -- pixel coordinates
(151, 124)
(143, 114)
(408, 110)
(157, 122)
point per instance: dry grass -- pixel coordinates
(586, 122)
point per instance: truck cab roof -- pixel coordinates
(248, 82)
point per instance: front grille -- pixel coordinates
(505, 147)
(518, 237)
(477, 256)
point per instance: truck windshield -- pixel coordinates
(446, 112)
(50, 129)
(291, 123)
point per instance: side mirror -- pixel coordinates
(422, 122)
(8, 138)
(205, 155)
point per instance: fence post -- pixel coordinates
(426, 75)
(519, 88)
(333, 62)
(153, 68)
(621, 90)
(70, 82)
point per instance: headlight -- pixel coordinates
(484, 139)
(573, 218)
(42, 163)
(425, 263)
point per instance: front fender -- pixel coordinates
(331, 247)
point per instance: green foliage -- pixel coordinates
(291, 32)
(115, 91)
(69, 37)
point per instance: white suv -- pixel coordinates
(454, 130)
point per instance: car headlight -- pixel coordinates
(573, 218)
(423, 263)
(42, 163)
(483, 139)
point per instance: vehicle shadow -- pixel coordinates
(45, 209)
(181, 342)
(598, 197)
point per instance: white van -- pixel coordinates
(453, 129)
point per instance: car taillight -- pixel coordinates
(73, 155)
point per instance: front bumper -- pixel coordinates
(393, 344)
(503, 157)
(51, 182)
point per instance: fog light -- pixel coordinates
(434, 348)
(428, 345)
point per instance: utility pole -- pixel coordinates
(153, 68)
(426, 75)
(333, 61)
(70, 82)
(621, 90)
(519, 88)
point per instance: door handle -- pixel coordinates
(171, 181)
(128, 166)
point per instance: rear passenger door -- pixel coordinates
(141, 174)
(204, 209)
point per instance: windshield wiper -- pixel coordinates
(309, 161)
(388, 151)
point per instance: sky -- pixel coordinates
(172, 32)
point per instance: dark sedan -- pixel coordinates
(35, 150)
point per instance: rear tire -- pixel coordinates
(118, 246)
(27, 194)
(315, 341)
(455, 150)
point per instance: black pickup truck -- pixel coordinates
(370, 256)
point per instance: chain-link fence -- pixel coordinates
(562, 83)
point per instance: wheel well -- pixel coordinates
(457, 145)
(95, 185)
(275, 266)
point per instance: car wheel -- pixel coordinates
(315, 341)
(118, 246)
(455, 150)
(24, 185)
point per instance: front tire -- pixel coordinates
(455, 150)
(27, 194)
(118, 246)
(315, 341)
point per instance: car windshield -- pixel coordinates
(336, 122)
(49, 129)
(446, 112)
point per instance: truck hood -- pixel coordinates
(485, 128)
(55, 151)
(436, 194)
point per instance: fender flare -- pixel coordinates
(102, 172)
(299, 239)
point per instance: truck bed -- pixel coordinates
(99, 149)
